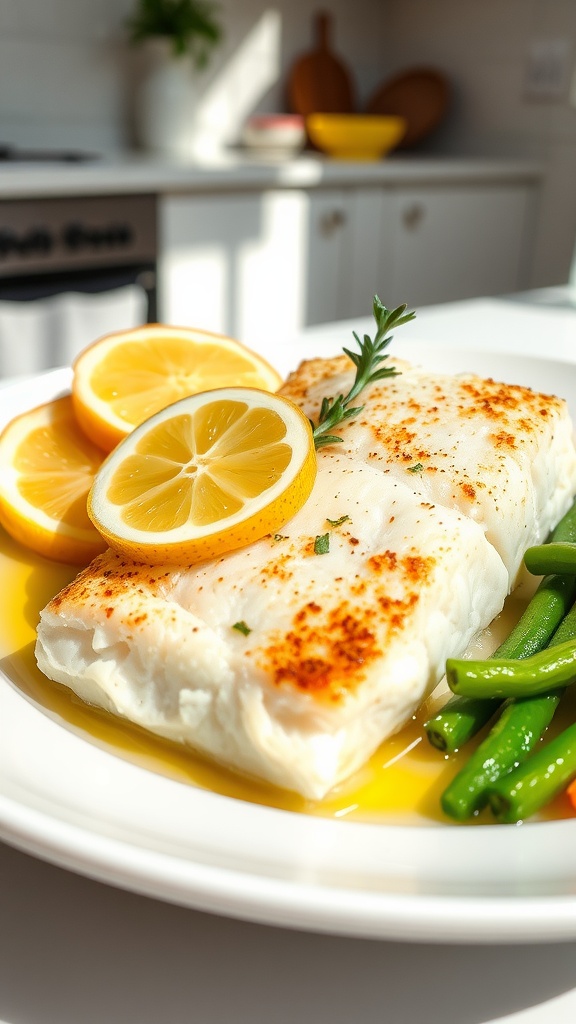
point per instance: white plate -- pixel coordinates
(66, 800)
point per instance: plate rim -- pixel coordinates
(513, 916)
(388, 916)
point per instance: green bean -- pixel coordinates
(511, 739)
(457, 721)
(462, 717)
(506, 677)
(566, 630)
(508, 743)
(545, 611)
(559, 557)
(565, 530)
(522, 792)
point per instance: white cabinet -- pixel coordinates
(343, 253)
(234, 263)
(261, 265)
(415, 245)
(440, 244)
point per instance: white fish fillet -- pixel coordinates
(499, 453)
(343, 646)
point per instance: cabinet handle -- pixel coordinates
(413, 215)
(330, 221)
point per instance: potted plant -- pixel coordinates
(180, 36)
(190, 26)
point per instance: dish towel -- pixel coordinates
(45, 333)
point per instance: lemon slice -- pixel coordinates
(47, 467)
(124, 378)
(211, 473)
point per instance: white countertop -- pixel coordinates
(141, 174)
(74, 950)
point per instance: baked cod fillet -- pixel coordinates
(335, 651)
(342, 646)
(499, 453)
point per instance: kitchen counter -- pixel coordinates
(140, 174)
(351, 225)
(73, 949)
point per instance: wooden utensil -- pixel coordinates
(420, 96)
(319, 81)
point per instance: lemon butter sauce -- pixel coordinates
(401, 783)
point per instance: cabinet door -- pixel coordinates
(344, 268)
(366, 265)
(456, 243)
(234, 263)
(327, 227)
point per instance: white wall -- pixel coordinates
(67, 78)
(62, 73)
(67, 75)
(483, 45)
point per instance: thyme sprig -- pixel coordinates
(368, 369)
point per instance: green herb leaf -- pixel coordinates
(368, 362)
(322, 544)
(278, 537)
(242, 628)
(324, 439)
(338, 522)
(192, 26)
(417, 468)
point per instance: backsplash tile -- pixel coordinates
(67, 78)
(66, 64)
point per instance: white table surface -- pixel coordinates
(75, 951)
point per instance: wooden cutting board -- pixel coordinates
(419, 95)
(319, 81)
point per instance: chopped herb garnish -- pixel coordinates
(367, 362)
(416, 468)
(279, 536)
(338, 522)
(242, 628)
(322, 544)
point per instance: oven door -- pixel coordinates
(71, 271)
(45, 322)
(89, 282)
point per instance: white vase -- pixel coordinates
(167, 101)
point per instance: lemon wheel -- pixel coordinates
(124, 378)
(47, 467)
(210, 473)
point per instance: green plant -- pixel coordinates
(191, 25)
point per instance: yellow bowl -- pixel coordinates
(355, 136)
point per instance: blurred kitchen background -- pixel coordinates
(99, 230)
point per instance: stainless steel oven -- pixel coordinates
(69, 269)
